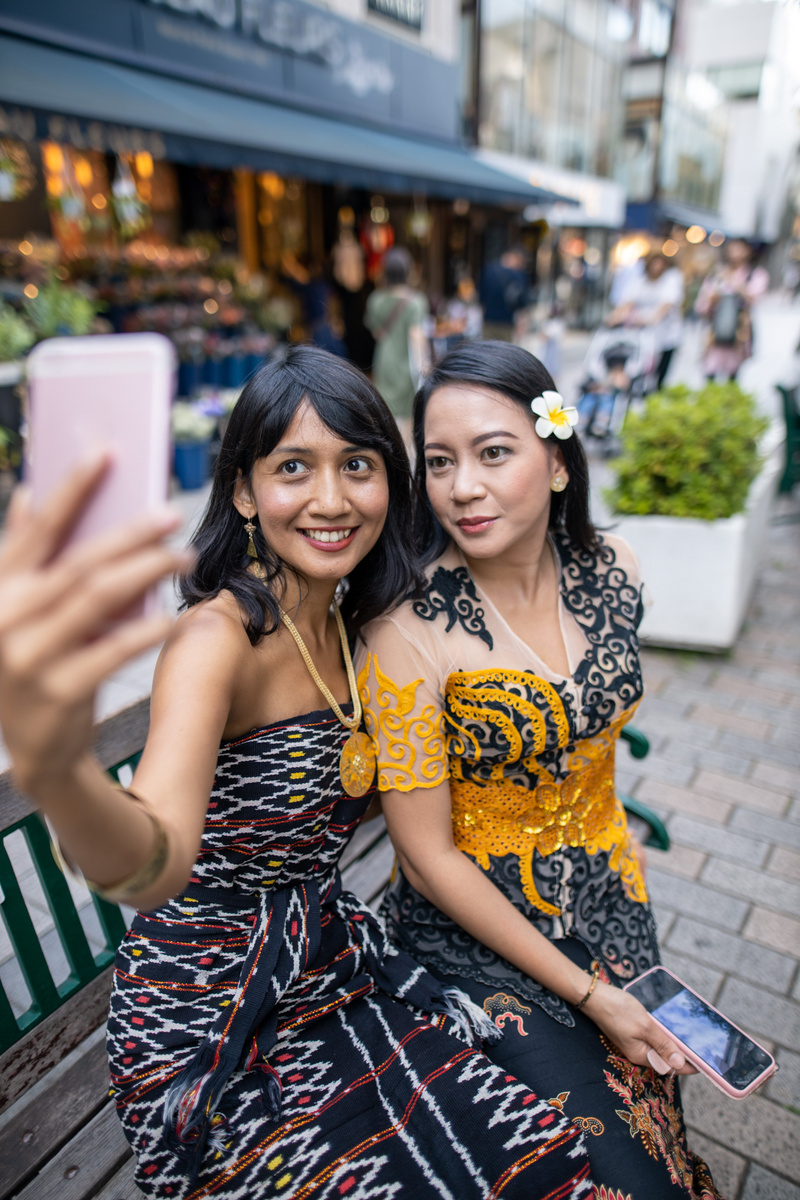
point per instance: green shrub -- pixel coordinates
(689, 454)
(59, 311)
(16, 334)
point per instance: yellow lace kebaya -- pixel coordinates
(450, 692)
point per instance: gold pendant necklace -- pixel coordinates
(358, 759)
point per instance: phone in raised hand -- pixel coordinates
(106, 393)
(735, 1063)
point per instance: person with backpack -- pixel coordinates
(726, 299)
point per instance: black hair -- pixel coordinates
(346, 401)
(397, 265)
(513, 372)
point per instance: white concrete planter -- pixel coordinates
(700, 574)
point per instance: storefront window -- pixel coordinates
(693, 141)
(550, 75)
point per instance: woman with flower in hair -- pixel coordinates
(496, 698)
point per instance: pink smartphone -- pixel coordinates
(712, 1043)
(109, 392)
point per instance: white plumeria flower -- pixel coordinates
(553, 416)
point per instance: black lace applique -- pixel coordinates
(453, 593)
(608, 607)
(437, 942)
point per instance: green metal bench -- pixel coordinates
(791, 416)
(60, 1138)
(649, 827)
(85, 965)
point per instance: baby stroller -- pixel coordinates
(618, 370)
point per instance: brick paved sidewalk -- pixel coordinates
(724, 772)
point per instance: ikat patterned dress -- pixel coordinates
(267, 1040)
(451, 693)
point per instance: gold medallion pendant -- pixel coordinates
(358, 759)
(357, 764)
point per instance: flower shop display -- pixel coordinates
(57, 310)
(192, 430)
(16, 338)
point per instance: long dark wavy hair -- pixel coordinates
(514, 373)
(346, 401)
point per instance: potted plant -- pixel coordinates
(16, 338)
(694, 486)
(192, 430)
(60, 311)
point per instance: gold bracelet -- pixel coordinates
(592, 985)
(125, 890)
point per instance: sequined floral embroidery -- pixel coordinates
(393, 721)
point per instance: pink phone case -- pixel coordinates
(108, 392)
(695, 1060)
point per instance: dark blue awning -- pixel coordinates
(218, 128)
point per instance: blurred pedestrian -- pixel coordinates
(552, 331)
(321, 311)
(504, 292)
(654, 301)
(395, 317)
(726, 299)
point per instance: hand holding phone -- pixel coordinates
(62, 591)
(95, 394)
(735, 1063)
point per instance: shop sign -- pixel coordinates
(28, 126)
(19, 123)
(299, 30)
(405, 12)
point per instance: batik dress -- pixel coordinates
(452, 693)
(267, 1040)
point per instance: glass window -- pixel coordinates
(549, 81)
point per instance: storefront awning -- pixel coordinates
(217, 128)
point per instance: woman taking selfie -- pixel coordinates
(496, 698)
(265, 1038)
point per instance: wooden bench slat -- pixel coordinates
(121, 1187)
(368, 875)
(97, 1152)
(37, 1131)
(362, 841)
(47, 1044)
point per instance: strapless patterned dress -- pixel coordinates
(267, 1040)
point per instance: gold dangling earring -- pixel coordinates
(251, 546)
(558, 483)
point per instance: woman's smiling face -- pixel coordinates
(487, 471)
(320, 501)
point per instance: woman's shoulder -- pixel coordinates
(213, 627)
(446, 590)
(206, 654)
(611, 552)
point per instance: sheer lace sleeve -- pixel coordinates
(627, 560)
(399, 683)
